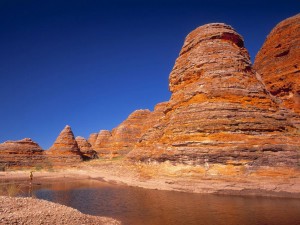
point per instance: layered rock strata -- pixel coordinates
(23, 153)
(278, 62)
(122, 139)
(65, 150)
(103, 142)
(92, 139)
(219, 111)
(86, 148)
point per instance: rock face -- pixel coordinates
(103, 143)
(65, 143)
(153, 120)
(123, 138)
(86, 148)
(219, 111)
(223, 111)
(278, 62)
(92, 139)
(65, 150)
(23, 153)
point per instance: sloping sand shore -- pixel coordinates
(34, 211)
(283, 183)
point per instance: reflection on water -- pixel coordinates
(152, 207)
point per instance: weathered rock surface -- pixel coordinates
(86, 148)
(92, 139)
(65, 150)
(83, 144)
(123, 138)
(278, 62)
(23, 153)
(153, 120)
(65, 142)
(222, 111)
(219, 111)
(103, 143)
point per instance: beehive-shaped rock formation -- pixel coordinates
(92, 139)
(219, 111)
(23, 153)
(86, 148)
(103, 142)
(65, 150)
(123, 138)
(278, 62)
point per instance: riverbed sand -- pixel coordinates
(35, 211)
(283, 183)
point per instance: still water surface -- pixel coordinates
(137, 206)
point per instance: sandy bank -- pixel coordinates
(34, 211)
(283, 183)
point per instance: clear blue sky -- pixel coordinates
(91, 63)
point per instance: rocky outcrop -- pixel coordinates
(219, 111)
(86, 148)
(222, 112)
(65, 143)
(103, 143)
(278, 62)
(83, 144)
(152, 121)
(92, 139)
(123, 138)
(65, 150)
(23, 153)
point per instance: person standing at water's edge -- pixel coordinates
(31, 176)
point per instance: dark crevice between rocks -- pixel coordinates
(236, 39)
(282, 53)
(281, 90)
(266, 91)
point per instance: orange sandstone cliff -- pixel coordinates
(278, 62)
(65, 150)
(86, 148)
(223, 111)
(220, 111)
(92, 139)
(103, 142)
(122, 139)
(23, 153)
